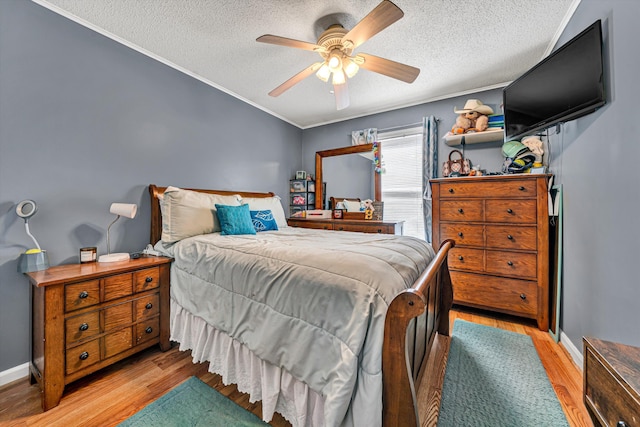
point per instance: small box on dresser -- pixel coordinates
(88, 316)
(501, 228)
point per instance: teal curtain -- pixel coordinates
(429, 169)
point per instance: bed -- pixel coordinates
(325, 327)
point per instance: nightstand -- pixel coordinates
(88, 316)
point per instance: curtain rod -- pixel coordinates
(410, 125)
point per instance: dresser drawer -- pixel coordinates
(516, 211)
(117, 316)
(606, 396)
(511, 296)
(84, 355)
(364, 228)
(463, 234)
(512, 264)
(147, 307)
(81, 327)
(117, 342)
(117, 286)
(466, 259)
(147, 330)
(146, 279)
(511, 237)
(311, 224)
(461, 210)
(510, 188)
(81, 295)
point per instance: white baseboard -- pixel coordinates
(573, 351)
(15, 373)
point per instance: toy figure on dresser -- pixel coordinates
(472, 118)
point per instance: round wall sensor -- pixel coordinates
(26, 209)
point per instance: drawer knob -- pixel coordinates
(84, 355)
(521, 188)
(510, 210)
(148, 306)
(149, 329)
(379, 230)
(84, 327)
(460, 210)
(621, 424)
(326, 227)
(523, 297)
(460, 257)
(451, 190)
(83, 295)
(460, 234)
(509, 236)
(340, 228)
(148, 279)
(510, 263)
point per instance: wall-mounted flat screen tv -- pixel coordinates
(566, 85)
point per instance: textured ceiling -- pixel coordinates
(459, 46)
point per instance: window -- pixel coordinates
(402, 179)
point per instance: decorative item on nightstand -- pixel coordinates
(33, 259)
(120, 209)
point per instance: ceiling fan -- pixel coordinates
(336, 46)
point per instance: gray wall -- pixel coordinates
(84, 122)
(593, 157)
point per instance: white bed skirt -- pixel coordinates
(278, 390)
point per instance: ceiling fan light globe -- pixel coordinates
(335, 62)
(339, 77)
(324, 73)
(351, 69)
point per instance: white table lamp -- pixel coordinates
(120, 209)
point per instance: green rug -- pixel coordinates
(495, 378)
(193, 403)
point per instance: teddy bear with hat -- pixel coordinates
(472, 118)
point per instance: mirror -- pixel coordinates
(354, 149)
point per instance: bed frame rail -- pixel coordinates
(414, 318)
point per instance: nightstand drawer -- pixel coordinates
(146, 279)
(607, 396)
(81, 295)
(147, 330)
(147, 307)
(365, 228)
(117, 342)
(516, 211)
(466, 259)
(512, 264)
(117, 286)
(512, 296)
(512, 237)
(81, 327)
(117, 316)
(83, 355)
(513, 187)
(461, 210)
(321, 225)
(462, 234)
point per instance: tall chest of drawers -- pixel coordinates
(501, 228)
(88, 316)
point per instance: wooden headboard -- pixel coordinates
(156, 215)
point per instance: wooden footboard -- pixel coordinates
(413, 320)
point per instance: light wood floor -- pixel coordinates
(114, 393)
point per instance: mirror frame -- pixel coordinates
(353, 149)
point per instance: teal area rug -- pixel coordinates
(193, 403)
(495, 378)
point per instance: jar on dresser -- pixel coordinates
(501, 228)
(88, 316)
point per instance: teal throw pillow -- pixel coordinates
(263, 220)
(234, 220)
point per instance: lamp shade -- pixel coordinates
(124, 209)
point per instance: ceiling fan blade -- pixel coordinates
(283, 41)
(296, 79)
(341, 93)
(385, 14)
(389, 68)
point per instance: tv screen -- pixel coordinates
(564, 86)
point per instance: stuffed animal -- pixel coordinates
(472, 118)
(367, 205)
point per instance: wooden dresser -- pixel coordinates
(612, 383)
(88, 316)
(363, 226)
(501, 228)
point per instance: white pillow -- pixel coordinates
(187, 213)
(268, 203)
